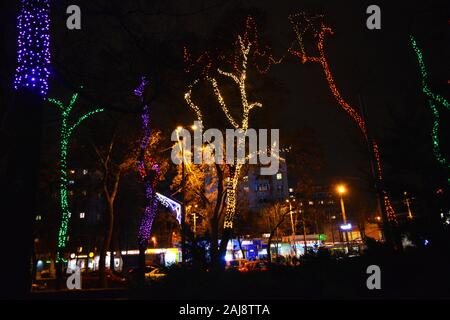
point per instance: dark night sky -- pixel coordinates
(379, 65)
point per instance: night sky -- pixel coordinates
(378, 65)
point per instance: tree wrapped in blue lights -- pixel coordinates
(33, 52)
(67, 129)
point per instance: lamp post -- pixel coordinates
(341, 189)
(410, 216)
(183, 191)
(292, 223)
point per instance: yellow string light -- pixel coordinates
(239, 77)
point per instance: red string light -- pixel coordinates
(302, 24)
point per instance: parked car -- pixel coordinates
(156, 274)
(254, 266)
(235, 264)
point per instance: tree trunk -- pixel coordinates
(141, 270)
(269, 252)
(240, 247)
(226, 235)
(21, 161)
(106, 243)
(213, 249)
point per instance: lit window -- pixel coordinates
(72, 171)
(291, 189)
(310, 203)
(85, 172)
(279, 176)
(82, 215)
(38, 218)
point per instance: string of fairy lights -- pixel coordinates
(148, 169)
(33, 42)
(66, 131)
(303, 24)
(33, 72)
(248, 48)
(433, 101)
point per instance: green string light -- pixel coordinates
(67, 129)
(432, 99)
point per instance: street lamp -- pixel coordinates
(292, 223)
(342, 190)
(183, 191)
(410, 216)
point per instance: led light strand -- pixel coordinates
(432, 99)
(320, 34)
(301, 24)
(423, 70)
(247, 49)
(33, 53)
(66, 132)
(148, 169)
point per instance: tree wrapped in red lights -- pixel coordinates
(304, 26)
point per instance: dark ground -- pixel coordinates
(413, 275)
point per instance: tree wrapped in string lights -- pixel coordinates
(148, 169)
(248, 52)
(434, 100)
(304, 26)
(33, 53)
(66, 131)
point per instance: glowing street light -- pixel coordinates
(341, 189)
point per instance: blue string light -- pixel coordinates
(33, 52)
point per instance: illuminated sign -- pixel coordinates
(347, 226)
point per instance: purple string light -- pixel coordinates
(151, 176)
(33, 52)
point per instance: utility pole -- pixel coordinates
(183, 207)
(410, 216)
(304, 231)
(292, 224)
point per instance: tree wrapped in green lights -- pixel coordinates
(434, 100)
(67, 128)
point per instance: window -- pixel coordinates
(310, 203)
(82, 215)
(85, 172)
(279, 176)
(291, 190)
(38, 218)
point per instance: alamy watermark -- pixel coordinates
(374, 280)
(211, 147)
